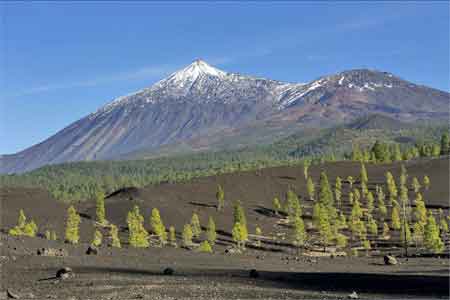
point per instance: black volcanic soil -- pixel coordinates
(137, 273)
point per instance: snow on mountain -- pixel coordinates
(201, 100)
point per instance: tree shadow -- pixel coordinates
(363, 282)
(203, 204)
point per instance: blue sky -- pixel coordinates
(61, 61)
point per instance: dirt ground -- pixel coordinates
(138, 273)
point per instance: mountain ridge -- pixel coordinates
(201, 100)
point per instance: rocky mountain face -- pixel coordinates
(201, 101)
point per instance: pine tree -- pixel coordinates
(205, 247)
(30, 229)
(20, 227)
(351, 181)
(211, 234)
(363, 174)
(385, 231)
(172, 236)
(299, 234)
(293, 206)
(72, 226)
(276, 206)
(22, 220)
(392, 188)
(418, 233)
(97, 240)
(220, 197)
(100, 208)
(342, 221)
(325, 230)
(351, 198)
(381, 205)
(406, 234)
(138, 235)
(239, 235)
(338, 191)
(445, 144)
(195, 225)
(310, 188)
(114, 233)
(356, 153)
(403, 177)
(426, 182)
(48, 235)
(306, 164)
(258, 233)
(158, 227)
(341, 240)
(420, 211)
(397, 154)
(238, 214)
(395, 218)
(187, 235)
(372, 225)
(53, 236)
(432, 240)
(443, 226)
(370, 203)
(415, 185)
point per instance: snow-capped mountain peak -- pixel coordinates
(192, 72)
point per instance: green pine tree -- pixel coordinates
(195, 225)
(415, 185)
(426, 182)
(114, 233)
(299, 234)
(158, 227)
(138, 235)
(97, 240)
(276, 206)
(211, 234)
(72, 226)
(100, 207)
(432, 239)
(172, 236)
(220, 197)
(395, 218)
(30, 229)
(310, 188)
(187, 235)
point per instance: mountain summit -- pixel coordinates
(201, 101)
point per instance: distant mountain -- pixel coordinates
(201, 107)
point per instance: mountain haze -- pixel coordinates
(201, 104)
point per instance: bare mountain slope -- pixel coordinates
(201, 100)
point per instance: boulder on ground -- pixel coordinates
(92, 250)
(390, 260)
(51, 252)
(11, 295)
(353, 295)
(64, 273)
(168, 271)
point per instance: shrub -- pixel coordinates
(205, 247)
